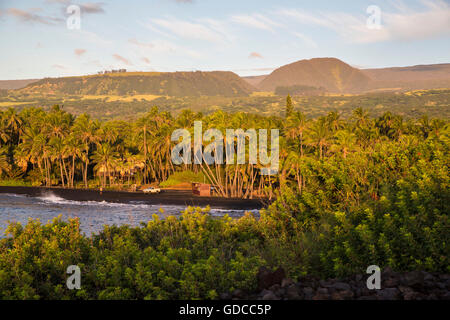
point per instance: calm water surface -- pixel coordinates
(92, 214)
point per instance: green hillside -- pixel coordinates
(156, 83)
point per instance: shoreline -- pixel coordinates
(166, 197)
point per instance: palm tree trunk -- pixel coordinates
(73, 170)
(62, 174)
(145, 154)
(86, 167)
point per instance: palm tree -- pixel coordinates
(74, 149)
(334, 121)
(14, 123)
(41, 150)
(319, 135)
(344, 142)
(4, 130)
(87, 131)
(4, 165)
(361, 117)
(57, 153)
(296, 125)
(105, 158)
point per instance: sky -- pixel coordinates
(46, 38)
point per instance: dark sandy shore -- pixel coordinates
(166, 197)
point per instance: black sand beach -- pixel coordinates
(166, 197)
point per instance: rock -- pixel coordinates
(411, 295)
(367, 298)
(267, 278)
(325, 284)
(225, 296)
(428, 277)
(238, 293)
(342, 295)
(389, 283)
(321, 296)
(280, 292)
(275, 287)
(440, 285)
(286, 282)
(341, 286)
(388, 294)
(264, 292)
(415, 285)
(447, 284)
(412, 279)
(270, 296)
(446, 296)
(387, 272)
(404, 289)
(322, 291)
(444, 276)
(308, 293)
(292, 293)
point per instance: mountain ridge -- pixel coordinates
(195, 83)
(325, 74)
(331, 73)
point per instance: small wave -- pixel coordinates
(51, 198)
(13, 195)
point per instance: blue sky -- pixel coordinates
(249, 37)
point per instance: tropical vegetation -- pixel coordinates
(350, 193)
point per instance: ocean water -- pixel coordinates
(93, 215)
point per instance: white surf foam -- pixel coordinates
(51, 198)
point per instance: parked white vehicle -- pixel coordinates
(152, 190)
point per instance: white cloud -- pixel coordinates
(89, 36)
(407, 24)
(257, 21)
(140, 43)
(30, 16)
(310, 43)
(190, 30)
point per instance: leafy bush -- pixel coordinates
(183, 177)
(14, 183)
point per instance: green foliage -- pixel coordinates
(193, 257)
(14, 183)
(183, 177)
(349, 194)
(289, 106)
(435, 103)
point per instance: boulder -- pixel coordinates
(341, 286)
(267, 278)
(342, 295)
(292, 293)
(238, 293)
(388, 294)
(286, 282)
(270, 296)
